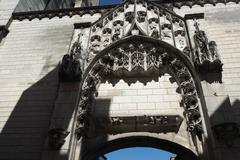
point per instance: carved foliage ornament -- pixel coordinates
(138, 17)
(145, 57)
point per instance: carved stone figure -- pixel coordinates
(201, 42)
(206, 54)
(213, 50)
(70, 69)
(129, 16)
(116, 120)
(117, 34)
(155, 33)
(141, 16)
(56, 137)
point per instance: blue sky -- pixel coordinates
(109, 2)
(139, 153)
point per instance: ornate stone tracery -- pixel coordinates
(138, 18)
(145, 57)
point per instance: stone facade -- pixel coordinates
(78, 83)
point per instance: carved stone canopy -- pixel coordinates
(138, 17)
(146, 123)
(138, 53)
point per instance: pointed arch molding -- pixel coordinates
(146, 55)
(138, 17)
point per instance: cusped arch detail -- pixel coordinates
(141, 140)
(145, 55)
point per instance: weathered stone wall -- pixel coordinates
(29, 88)
(158, 98)
(138, 99)
(29, 57)
(221, 24)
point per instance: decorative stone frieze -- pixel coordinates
(56, 137)
(70, 67)
(149, 123)
(206, 56)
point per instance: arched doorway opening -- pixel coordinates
(138, 153)
(159, 147)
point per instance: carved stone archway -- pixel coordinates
(139, 38)
(146, 55)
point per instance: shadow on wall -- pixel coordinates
(24, 133)
(211, 77)
(96, 135)
(225, 124)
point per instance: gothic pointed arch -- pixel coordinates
(140, 39)
(146, 55)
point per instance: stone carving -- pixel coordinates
(56, 137)
(206, 57)
(190, 99)
(82, 122)
(146, 57)
(141, 16)
(128, 19)
(117, 34)
(70, 67)
(116, 120)
(129, 16)
(156, 123)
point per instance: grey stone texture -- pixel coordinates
(32, 100)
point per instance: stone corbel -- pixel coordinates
(56, 137)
